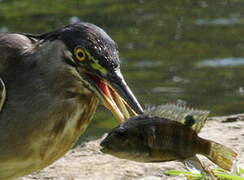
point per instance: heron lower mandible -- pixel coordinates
(50, 87)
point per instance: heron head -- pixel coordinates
(95, 56)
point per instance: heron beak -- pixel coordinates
(122, 94)
(117, 96)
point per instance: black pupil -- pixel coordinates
(81, 54)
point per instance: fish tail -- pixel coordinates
(221, 155)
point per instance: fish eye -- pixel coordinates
(121, 133)
(80, 54)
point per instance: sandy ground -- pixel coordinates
(88, 163)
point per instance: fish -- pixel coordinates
(166, 133)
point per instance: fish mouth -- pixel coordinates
(115, 95)
(104, 147)
(104, 150)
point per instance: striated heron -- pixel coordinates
(50, 87)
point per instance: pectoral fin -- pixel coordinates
(194, 165)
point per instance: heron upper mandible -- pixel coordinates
(50, 87)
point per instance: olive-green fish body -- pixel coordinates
(153, 138)
(160, 139)
(170, 140)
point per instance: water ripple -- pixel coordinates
(223, 62)
(218, 21)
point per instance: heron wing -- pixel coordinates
(12, 47)
(2, 94)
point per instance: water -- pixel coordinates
(191, 51)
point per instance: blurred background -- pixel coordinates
(191, 51)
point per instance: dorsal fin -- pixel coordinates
(180, 113)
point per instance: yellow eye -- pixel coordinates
(80, 54)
